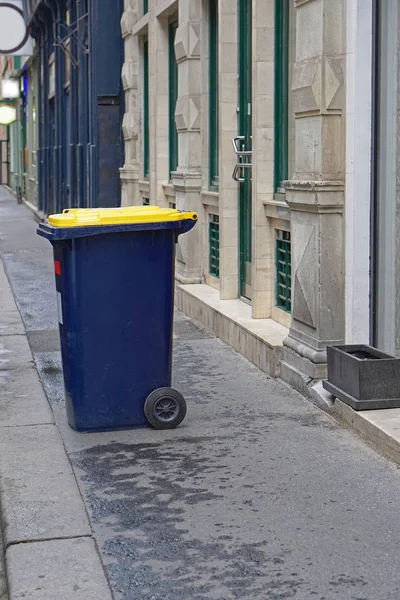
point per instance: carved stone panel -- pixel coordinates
(305, 277)
(187, 41)
(334, 95)
(187, 114)
(306, 86)
(128, 19)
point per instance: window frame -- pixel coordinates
(146, 123)
(173, 96)
(283, 267)
(213, 80)
(281, 102)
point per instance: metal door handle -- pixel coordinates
(237, 150)
(235, 143)
(244, 159)
(237, 174)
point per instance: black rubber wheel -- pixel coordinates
(165, 408)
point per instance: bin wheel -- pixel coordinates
(165, 408)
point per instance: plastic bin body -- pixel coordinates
(115, 296)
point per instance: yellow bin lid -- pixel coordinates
(127, 215)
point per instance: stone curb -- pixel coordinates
(48, 545)
(379, 428)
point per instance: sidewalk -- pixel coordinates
(259, 495)
(48, 539)
(3, 584)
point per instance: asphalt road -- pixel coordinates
(257, 496)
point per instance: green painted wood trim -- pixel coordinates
(213, 238)
(213, 94)
(283, 261)
(146, 133)
(173, 96)
(281, 92)
(245, 129)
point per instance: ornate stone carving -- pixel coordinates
(306, 86)
(318, 85)
(194, 40)
(334, 84)
(128, 19)
(129, 127)
(304, 302)
(187, 114)
(187, 42)
(129, 77)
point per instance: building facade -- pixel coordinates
(20, 145)
(237, 109)
(80, 102)
(277, 121)
(4, 145)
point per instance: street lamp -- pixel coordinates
(8, 113)
(10, 88)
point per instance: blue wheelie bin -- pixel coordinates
(114, 271)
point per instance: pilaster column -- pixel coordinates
(187, 180)
(130, 171)
(263, 265)
(228, 129)
(316, 193)
(158, 104)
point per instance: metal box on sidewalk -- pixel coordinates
(363, 377)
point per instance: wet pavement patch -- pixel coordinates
(154, 497)
(186, 329)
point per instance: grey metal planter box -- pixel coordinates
(363, 377)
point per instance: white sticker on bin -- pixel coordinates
(59, 308)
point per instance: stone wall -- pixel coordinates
(310, 205)
(316, 192)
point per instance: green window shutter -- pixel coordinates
(146, 109)
(213, 93)
(214, 245)
(283, 270)
(173, 96)
(281, 91)
(16, 63)
(145, 6)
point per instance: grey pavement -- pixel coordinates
(61, 570)
(3, 584)
(258, 495)
(50, 551)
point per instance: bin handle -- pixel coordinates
(187, 225)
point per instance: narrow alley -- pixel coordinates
(258, 495)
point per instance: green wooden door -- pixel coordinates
(4, 161)
(245, 131)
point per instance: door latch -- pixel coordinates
(244, 158)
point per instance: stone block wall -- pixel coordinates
(310, 205)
